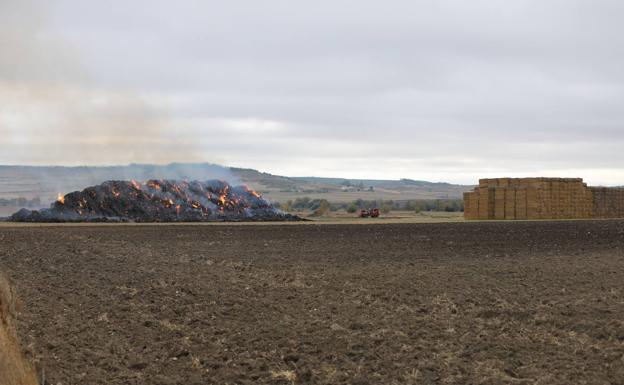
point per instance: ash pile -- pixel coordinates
(157, 201)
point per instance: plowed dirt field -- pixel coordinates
(456, 303)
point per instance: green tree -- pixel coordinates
(323, 208)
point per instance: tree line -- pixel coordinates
(322, 206)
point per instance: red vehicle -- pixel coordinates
(370, 213)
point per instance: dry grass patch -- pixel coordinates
(14, 368)
(287, 375)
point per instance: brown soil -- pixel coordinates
(479, 303)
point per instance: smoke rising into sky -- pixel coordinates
(437, 90)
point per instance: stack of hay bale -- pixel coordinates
(608, 202)
(542, 198)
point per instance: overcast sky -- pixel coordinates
(435, 90)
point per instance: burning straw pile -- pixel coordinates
(158, 201)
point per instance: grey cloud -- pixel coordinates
(397, 88)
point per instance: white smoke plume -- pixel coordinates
(50, 107)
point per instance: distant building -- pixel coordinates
(542, 198)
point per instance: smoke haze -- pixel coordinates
(52, 110)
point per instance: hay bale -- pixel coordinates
(533, 205)
(471, 205)
(521, 203)
(510, 203)
(483, 202)
(491, 202)
(499, 203)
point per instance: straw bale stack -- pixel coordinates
(542, 198)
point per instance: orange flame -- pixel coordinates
(60, 198)
(252, 192)
(136, 184)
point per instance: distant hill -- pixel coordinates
(265, 180)
(346, 190)
(369, 182)
(45, 182)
